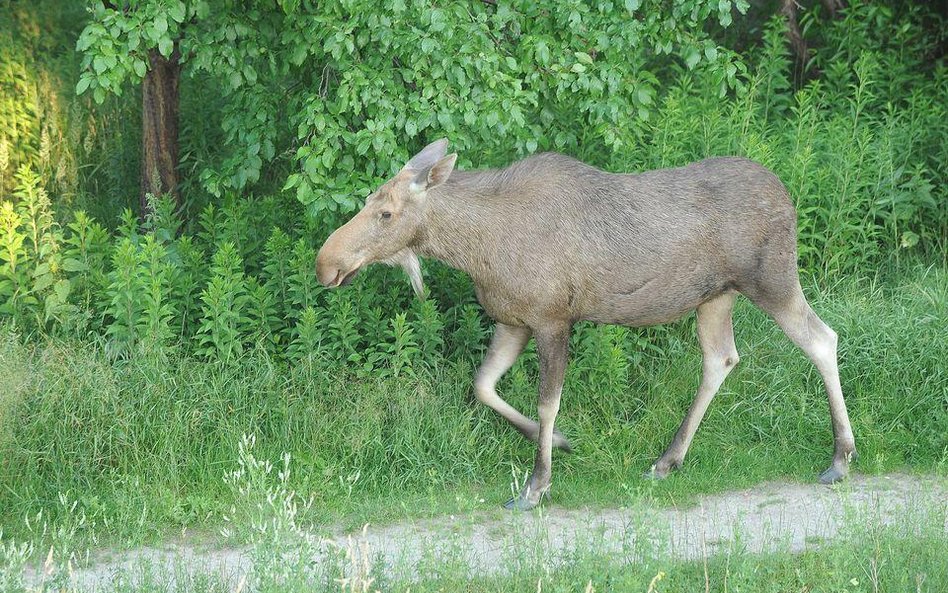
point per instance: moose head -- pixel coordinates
(389, 223)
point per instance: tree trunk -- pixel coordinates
(160, 128)
(788, 9)
(832, 6)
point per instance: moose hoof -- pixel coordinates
(561, 442)
(661, 470)
(839, 469)
(524, 503)
(832, 474)
(519, 504)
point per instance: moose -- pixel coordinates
(549, 241)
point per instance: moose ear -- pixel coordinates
(435, 175)
(428, 156)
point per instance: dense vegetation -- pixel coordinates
(136, 352)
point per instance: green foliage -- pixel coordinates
(223, 326)
(302, 285)
(342, 331)
(116, 43)
(470, 334)
(263, 322)
(527, 77)
(140, 446)
(162, 221)
(156, 326)
(306, 336)
(401, 348)
(600, 362)
(429, 330)
(211, 225)
(84, 259)
(277, 267)
(40, 123)
(14, 275)
(48, 292)
(858, 148)
(191, 270)
(124, 299)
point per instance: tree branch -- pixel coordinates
(788, 9)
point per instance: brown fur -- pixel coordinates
(549, 241)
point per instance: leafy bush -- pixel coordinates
(861, 149)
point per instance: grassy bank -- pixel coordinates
(142, 445)
(869, 560)
(868, 554)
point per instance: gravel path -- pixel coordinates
(767, 517)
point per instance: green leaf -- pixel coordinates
(578, 68)
(909, 240)
(250, 75)
(300, 51)
(165, 47)
(62, 288)
(583, 57)
(83, 84)
(543, 52)
(71, 264)
(139, 66)
(85, 41)
(291, 181)
(99, 64)
(311, 165)
(177, 12)
(511, 63)
(692, 58)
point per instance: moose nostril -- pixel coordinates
(329, 277)
(326, 273)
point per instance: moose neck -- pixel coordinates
(456, 220)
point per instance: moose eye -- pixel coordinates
(386, 215)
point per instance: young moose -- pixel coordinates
(550, 241)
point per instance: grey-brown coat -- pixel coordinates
(549, 241)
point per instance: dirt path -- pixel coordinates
(771, 516)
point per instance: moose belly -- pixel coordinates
(660, 299)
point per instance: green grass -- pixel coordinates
(886, 561)
(142, 446)
(910, 554)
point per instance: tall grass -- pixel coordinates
(141, 444)
(279, 553)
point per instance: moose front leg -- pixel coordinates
(506, 345)
(553, 350)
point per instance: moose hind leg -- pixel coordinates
(818, 341)
(506, 345)
(716, 336)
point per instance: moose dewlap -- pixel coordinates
(549, 241)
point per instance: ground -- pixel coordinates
(771, 517)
